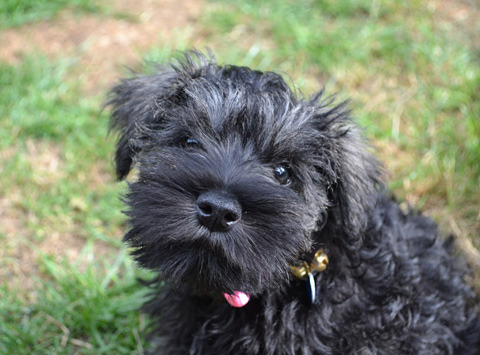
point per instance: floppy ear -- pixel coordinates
(358, 181)
(134, 103)
(354, 174)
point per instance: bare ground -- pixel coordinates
(102, 44)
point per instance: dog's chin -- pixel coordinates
(232, 267)
(232, 289)
(235, 299)
(211, 273)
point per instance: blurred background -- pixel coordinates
(410, 69)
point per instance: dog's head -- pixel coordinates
(236, 175)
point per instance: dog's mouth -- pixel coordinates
(238, 299)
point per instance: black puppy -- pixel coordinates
(268, 223)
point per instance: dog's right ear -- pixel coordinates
(134, 103)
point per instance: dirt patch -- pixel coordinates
(46, 162)
(101, 44)
(463, 14)
(19, 258)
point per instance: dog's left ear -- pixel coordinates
(356, 176)
(359, 179)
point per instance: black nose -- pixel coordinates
(218, 211)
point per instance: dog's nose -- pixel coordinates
(218, 211)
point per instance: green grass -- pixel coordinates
(56, 171)
(85, 306)
(56, 141)
(17, 12)
(413, 81)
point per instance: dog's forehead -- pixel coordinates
(223, 108)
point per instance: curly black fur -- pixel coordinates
(391, 286)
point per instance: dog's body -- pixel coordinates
(240, 183)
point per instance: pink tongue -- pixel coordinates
(238, 299)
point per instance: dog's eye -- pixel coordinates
(282, 174)
(191, 143)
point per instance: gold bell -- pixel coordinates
(320, 261)
(300, 272)
(318, 264)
